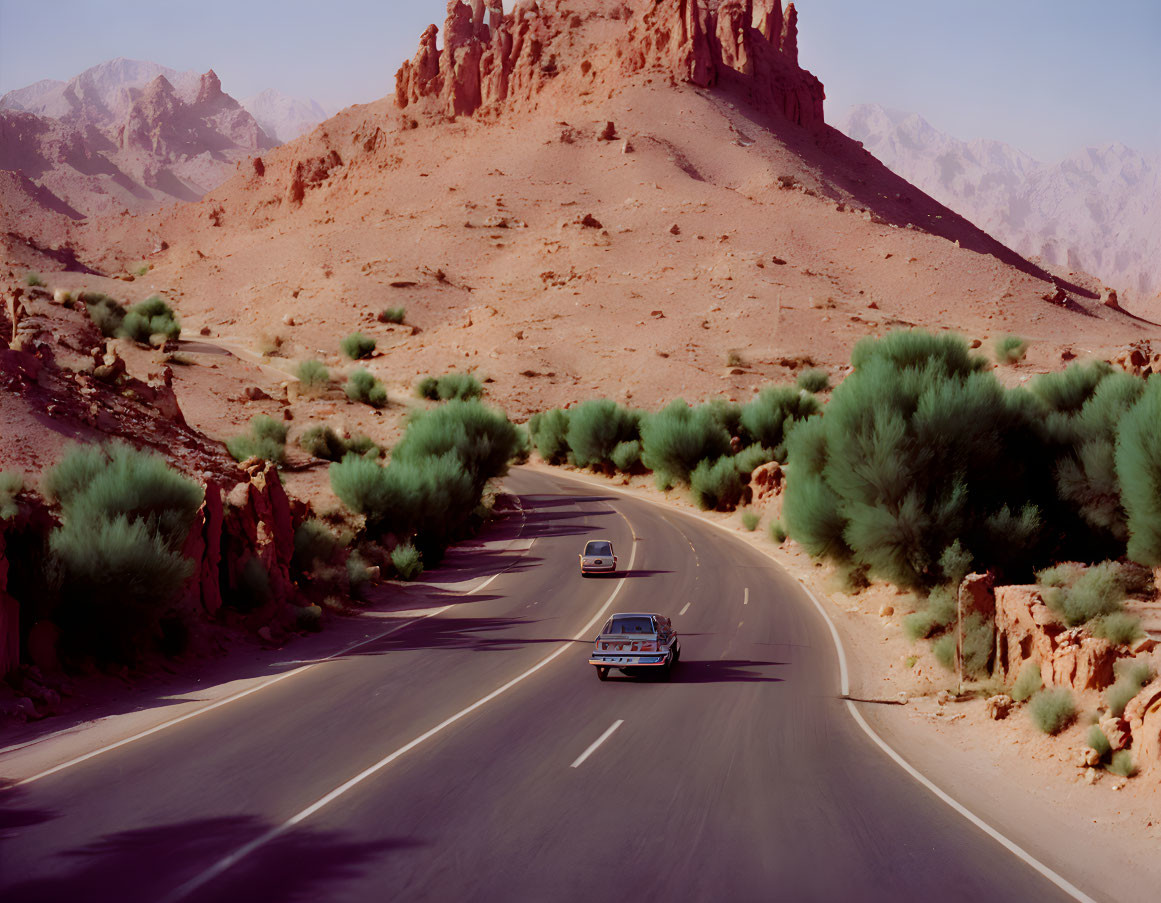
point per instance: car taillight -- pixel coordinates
(649, 647)
(604, 645)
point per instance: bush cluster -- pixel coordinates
(323, 442)
(393, 315)
(1131, 677)
(710, 448)
(152, 317)
(125, 516)
(266, 440)
(451, 385)
(433, 484)
(141, 322)
(1052, 710)
(363, 387)
(1010, 349)
(313, 375)
(357, 346)
(11, 485)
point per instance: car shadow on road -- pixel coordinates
(477, 634)
(723, 671)
(146, 864)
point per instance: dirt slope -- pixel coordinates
(561, 265)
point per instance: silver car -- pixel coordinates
(598, 558)
(636, 643)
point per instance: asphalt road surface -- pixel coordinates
(743, 778)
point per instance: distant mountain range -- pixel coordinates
(131, 134)
(1098, 210)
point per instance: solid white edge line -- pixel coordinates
(92, 754)
(844, 682)
(225, 864)
(1010, 845)
(593, 746)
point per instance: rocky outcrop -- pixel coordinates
(492, 59)
(1143, 716)
(750, 45)
(1027, 631)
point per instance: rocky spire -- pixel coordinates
(209, 88)
(505, 61)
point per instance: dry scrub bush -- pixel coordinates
(1052, 710)
(357, 346)
(266, 440)
(363, 387)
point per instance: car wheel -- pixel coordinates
(677, 653)
(602, 673)
(663, 671)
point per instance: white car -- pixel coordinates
(636, 643)
(598, 558)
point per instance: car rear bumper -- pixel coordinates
(591, 569)
(647, 660)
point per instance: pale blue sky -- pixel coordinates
(1048, 76)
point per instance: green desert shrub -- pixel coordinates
(678, 438)
(451, 385)
(918, 448)
(750, 520)
(1119, 628)
(313, 375)
(936, 615)
(357, 346)
(1028, 682)
(716, 485)
(11, 485)
(1084, 407)
(34, 280)
(393, 315)
(943, 648)
(323, 442)
(549, 434)
(626, 456)
(308, 618)
(125, 516)
(1010, 349)
(151, 317)
(1097, 740)
(1138, 467)
(266, 440)
(596, 428)
(979, 637)
(1093, 592)
(407, 561)
(777, 532)
(358, 571)
(813, 381)
(1131, 677)
(363, 387)
(1052, 710)
(1122, 764)
(769, 418)
(106, 313)
(437, 473)
(314, 543)
(751, 458)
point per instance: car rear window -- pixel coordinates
(631, 625)
(598, 548)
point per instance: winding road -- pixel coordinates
(472, 754)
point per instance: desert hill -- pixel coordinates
(579, 199)
(284, 118)
(126, 135)
(1097, 210)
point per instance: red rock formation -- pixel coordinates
(1028, 631)
(747, 45)
(1143, 715)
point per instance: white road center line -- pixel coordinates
(746, 597)
(593, 748)
(226, 863)
(685, 609)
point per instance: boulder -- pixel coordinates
(997, 707)
(977, 595)
(1116, 730)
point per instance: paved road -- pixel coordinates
(742, 779)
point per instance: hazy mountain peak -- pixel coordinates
(1099, 209)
